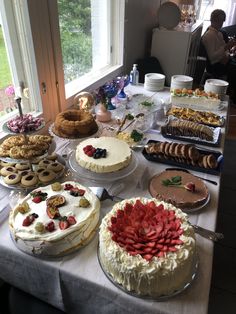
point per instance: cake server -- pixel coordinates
(185, 170)
(103, 194)
(208, 234)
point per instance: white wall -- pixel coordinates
(138, 29)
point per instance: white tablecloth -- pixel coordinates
(77, 284)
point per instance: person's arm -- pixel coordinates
(215, 51)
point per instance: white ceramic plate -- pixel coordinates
(169, 15)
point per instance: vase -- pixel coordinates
(102, 114)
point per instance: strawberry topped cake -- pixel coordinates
(55, 220)
(148, 247)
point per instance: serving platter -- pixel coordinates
(102, 177)
(22, 187)
(160, 298)
(174, 162)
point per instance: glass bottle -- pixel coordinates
(134, 75)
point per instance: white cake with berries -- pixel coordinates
(148, 247)
(55, 220)
(103, 154)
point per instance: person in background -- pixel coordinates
(218, 51)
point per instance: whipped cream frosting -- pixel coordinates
(118, 155)
(58, 242)
(157, 277)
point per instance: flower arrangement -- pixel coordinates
(10, 91)
(105, 93)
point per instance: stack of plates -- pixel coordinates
(154, 82)
(181, 81)
(216, 86)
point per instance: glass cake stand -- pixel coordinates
(78, 139)
(160, 298)
(102, 177)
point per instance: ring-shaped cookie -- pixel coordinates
(55, 166)
(46, 176)
(5, 171)
(22, 166)
(45, 163)
(30, 179)
(12, 178)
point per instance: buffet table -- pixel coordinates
(76, 283)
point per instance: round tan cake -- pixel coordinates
(148, 247)
(189, 192)
(55, 220)
(74, 124)
(103, 154)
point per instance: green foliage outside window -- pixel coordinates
(76, 38)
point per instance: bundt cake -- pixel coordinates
(75, 123)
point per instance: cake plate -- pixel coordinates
(20, 187)
(160, 298)
(102, 177)
(7, 130)
(78, 139)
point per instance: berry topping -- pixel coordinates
(39, 193)
(77, 192)
(71, 220)
(96, 153)
(68, 187)
(37, 199)
(28, 220)
(12, 176)
(146, 229)
(50, 226)
(63, 223)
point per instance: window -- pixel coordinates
(17, 62)
(91, 39)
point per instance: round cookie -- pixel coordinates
(22, 166)
(7, 164)
(204, 161)
(15, 152)
(193, 153)
(172, 148)
(12, 178)
(211, 161)
(46, 176)
(4, 152)
(39, 170)
(178, 150)
(16, 140)
(167, 147)
(40, 138)
(52, 157)
(44, 163)
(55, 166)
(30, 179)
(5, 171)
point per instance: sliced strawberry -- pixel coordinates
(63, 224)
(37, 199)
(28, 220)
(71, 220)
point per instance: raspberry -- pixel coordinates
(50, 226)
(37, 199)
(68, 187)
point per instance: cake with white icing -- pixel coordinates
(148, 247)
(103, 154)
(55, 220)
(195, 99)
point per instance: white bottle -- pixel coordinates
(134, 75)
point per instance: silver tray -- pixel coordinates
(21, 187)
(7, 130)
(32, 160)
(79, 139)
(160, 298)
(102, 177)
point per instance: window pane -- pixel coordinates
(84, 35)
(76, 39)
(7, 102)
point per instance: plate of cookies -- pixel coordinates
(182, 155)
(18, 148)
(27, 176)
